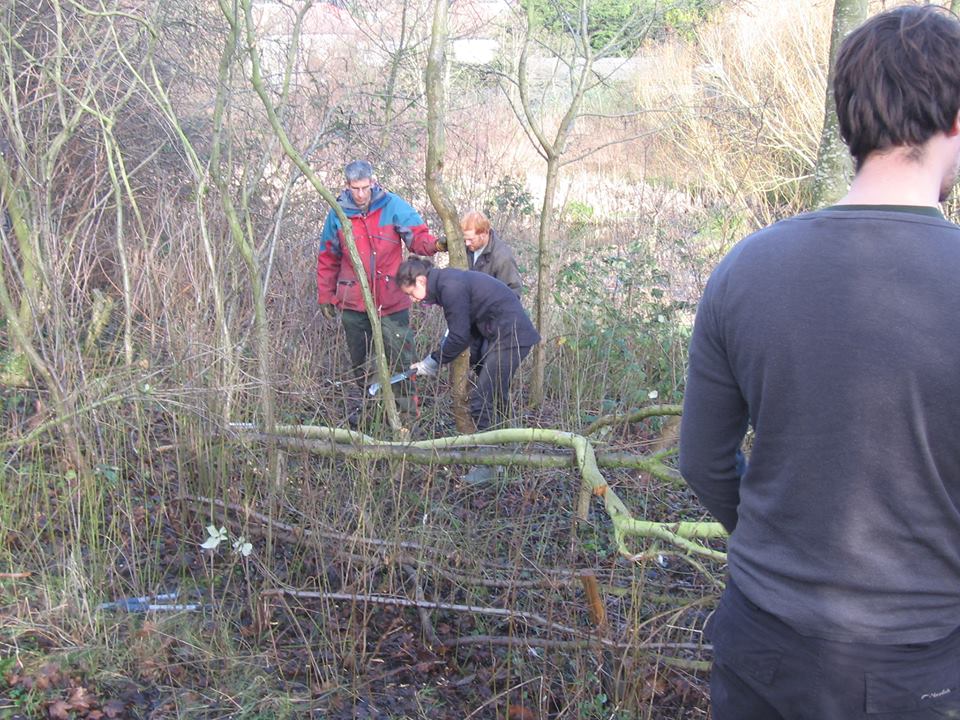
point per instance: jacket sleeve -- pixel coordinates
(715, 418)
(507, 271)
(411, 227)
(328, 260)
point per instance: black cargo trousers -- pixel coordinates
(765, 670)
(494, 361)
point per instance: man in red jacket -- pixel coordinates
(382, 223)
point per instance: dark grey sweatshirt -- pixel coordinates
(837, 334)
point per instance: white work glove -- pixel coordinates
(427, 367)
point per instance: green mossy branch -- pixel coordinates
(681, 535)
(632, 417)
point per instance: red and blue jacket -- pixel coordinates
(380, 233)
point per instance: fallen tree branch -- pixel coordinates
(511, 641)
(632, 417)
(650, 464)
(585, 639)
(624, 524)
(393, 600)
(552, 578)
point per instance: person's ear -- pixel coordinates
(955, 127)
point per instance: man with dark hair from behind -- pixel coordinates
(837, 335)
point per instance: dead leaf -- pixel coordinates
(149, 628)
(519, 712)
(114, 709)
(58, 710)
(651, 687)
(52, 673)
(80, 700)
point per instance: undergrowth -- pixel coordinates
(304, 625)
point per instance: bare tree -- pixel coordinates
(834, 165)
(576, 55)
(436, 143)
(245, 17)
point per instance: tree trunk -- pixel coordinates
(834, 164)
(436, 144)
(256, 79)
(544, 278)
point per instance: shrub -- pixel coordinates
(622, 327)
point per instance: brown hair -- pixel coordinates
(476, 221)
(897, 79)
(410, 269)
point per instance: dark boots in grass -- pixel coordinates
(484, 474)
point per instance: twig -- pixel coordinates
(595, 604)
(632, 417)
(650, 464)
(293, 532)
(532, 618)
(502, 640)
(425, 621)
(624, 523)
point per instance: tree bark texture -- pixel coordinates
(834, 164)
(434, 80)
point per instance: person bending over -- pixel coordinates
(484, 316)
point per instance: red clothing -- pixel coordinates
(379, 235)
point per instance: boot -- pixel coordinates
(355, 416)
(360, 413)
(483, 474)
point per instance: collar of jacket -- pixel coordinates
(488, 248)
(378, 199)
(433, 275)
(491, 243)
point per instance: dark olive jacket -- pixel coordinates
(497, 260)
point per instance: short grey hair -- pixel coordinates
(358, 170)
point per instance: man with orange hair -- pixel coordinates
(488, 253)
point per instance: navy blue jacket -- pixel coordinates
(477, 305)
